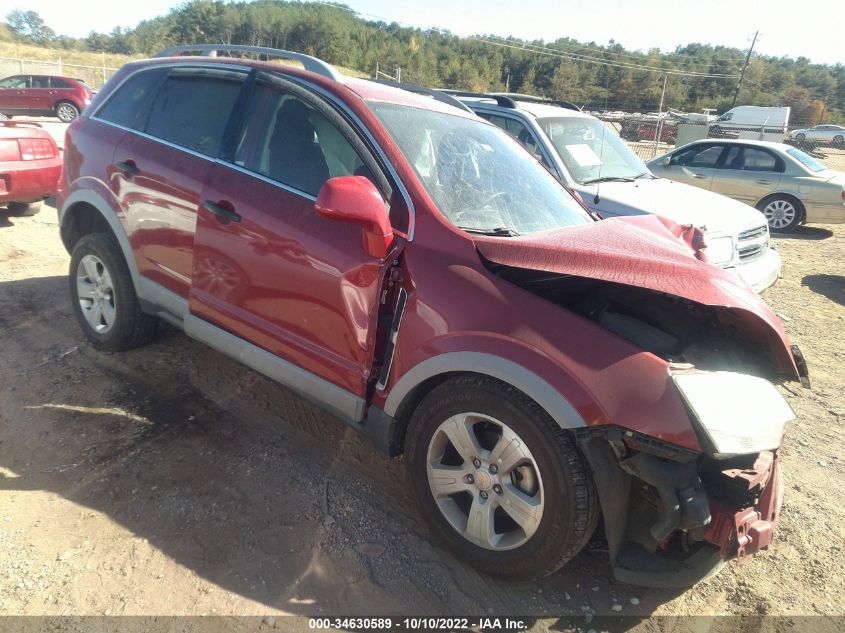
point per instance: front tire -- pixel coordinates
(66, 112)
(24, 209)
(838, 141)
(103, 296)
(501, 484)
(783, 213)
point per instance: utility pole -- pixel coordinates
(744, 66)
(659, 127)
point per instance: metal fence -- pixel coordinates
(94, 76)
(652, 135)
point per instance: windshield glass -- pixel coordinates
(591, 150)
(805, 159)
(478, 176)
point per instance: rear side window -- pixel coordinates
(752, 159)
(128, 104)
(40, 82)
(58, 82)
(192, 109)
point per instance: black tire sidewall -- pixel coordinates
(106, 249)
(556, 539)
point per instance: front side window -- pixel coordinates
(704, 157)
(191, 108)
(478, 176)
(518, 130)
(591, 151)
(14, 82)
(127, 105)
(293, 143)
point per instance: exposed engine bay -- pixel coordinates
(676, 329)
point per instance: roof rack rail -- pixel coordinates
(437, 95)
(535, 99)
(502, 100)
(311, 64)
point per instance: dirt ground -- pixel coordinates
(171, 480)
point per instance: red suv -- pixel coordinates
(412, 269)
(44, 95)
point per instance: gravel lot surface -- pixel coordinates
(171, 480)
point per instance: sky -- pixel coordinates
(785, 30)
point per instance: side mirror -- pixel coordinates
(666, 162)
(356, 200)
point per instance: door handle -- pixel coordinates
(128, 167)
(763, 182)
(221, 212)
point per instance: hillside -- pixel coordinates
(590, 74)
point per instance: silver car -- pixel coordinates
(820, 135)
(790, 187)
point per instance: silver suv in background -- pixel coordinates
(589, 157)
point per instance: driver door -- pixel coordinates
(270, 270)
(694, 166)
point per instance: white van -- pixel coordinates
(753, 123)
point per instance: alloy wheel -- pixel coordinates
(485, 481)
(66, 112)
(95, 291)
(780, 213)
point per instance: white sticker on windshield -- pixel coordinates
(583, 155)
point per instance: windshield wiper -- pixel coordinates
(608, 179)
(499, 231)
(645, 174)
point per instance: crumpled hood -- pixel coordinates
(648, 252)
(678, 202)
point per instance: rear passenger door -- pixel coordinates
(748, 173)
(270, 270)
(162, 162)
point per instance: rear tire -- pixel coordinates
(103, 296)
(839, 141)
(783, 213)
(527, 506)
(24, 209)
(800, 137)
(66, 111)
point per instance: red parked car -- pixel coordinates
(646, 130)
(44, 95)
(30, 166)
(412, 269)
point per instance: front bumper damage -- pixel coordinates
(674, 517)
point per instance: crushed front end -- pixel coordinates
(673, 516)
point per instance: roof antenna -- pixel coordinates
(601, 162)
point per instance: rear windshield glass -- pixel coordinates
(805, 159)
(479, 177)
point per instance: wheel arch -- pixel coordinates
(84, 212)
(416, 383)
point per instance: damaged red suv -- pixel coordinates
(413, 270)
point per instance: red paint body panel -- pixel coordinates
(286, 279)
(160, 207)
(27, 180)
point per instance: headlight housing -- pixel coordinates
(737, 413)
(720, 250)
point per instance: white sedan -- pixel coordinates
(821, 134)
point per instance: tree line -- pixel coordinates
(592, 75)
